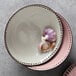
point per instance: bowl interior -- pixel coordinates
(23, 34)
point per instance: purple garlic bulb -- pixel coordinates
(50, 33)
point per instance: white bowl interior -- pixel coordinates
(24, 30)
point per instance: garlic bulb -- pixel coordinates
(50, 33)
(48, 40)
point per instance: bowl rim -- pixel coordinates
(45, 60)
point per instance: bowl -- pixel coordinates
(24, 30)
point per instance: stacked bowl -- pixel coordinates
(38, 37)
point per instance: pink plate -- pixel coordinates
(71, 71)
(63, 52)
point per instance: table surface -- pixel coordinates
(8, 67)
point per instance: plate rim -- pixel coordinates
(69, 69)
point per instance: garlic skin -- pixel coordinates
(44, 46)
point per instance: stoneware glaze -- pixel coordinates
(23, 33)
